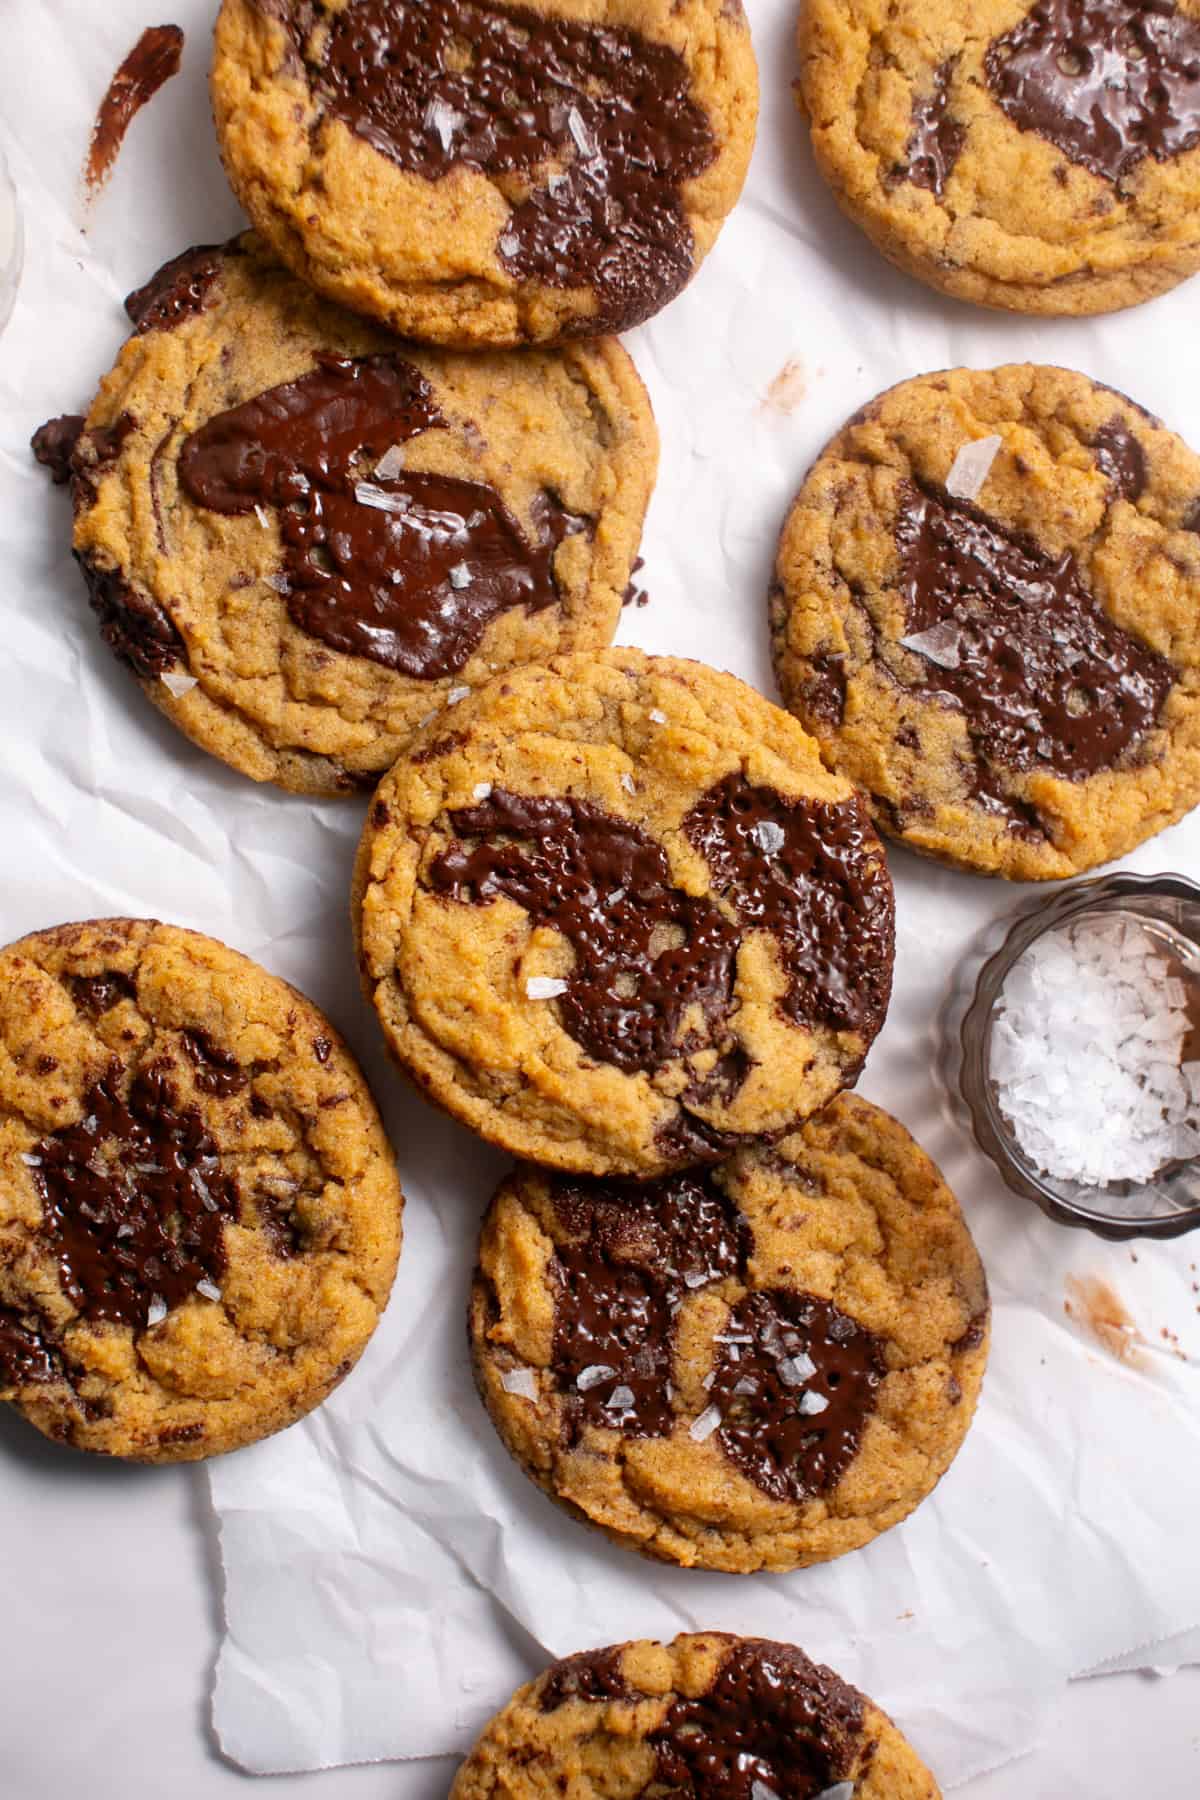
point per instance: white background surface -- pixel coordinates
(108, 1575)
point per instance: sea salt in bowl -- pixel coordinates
(1066, 1047)
(11, 243)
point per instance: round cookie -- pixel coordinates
(711, 1716)
(758, 1366)
(199, 1210)
(478, 173)
(302, 537)
(1037, 157)
(987, 608)
(615, 916)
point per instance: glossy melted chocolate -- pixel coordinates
(788, 1451)
(635, 1251)
(180, 290)
(771, 1716)
(592, 1675)
(606, 887)
(597, 126)
(406, 570)
(935, 141)
(24, 1353)
(1121, 460)
(1108, 82)
(823, 893)
(1045, 679)
(135, 1197)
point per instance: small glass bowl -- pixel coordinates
(1168, 906)
(12, 243)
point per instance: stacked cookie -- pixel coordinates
(617, 914)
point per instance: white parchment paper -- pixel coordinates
(390, 1576)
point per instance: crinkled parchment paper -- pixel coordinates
(390, 1576)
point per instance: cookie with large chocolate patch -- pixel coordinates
(711, 1716)
(199, 1210)
(477, 172)
(987, 608)
(1034, 155)
(303, 537)
(756, 1366)
(616, 916)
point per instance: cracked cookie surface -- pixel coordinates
(615, 915)
(986, 607)
(710, 1715)
(300, 535)
(474, 172)
(1036, 157)
(757, 1366)
(199, 1209)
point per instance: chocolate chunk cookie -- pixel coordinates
(987, 608)
(302, 536)
(1038, 157)
(199, 1210)
(473, 172)
(615, 915)
(757, 1366)
(710, 1716)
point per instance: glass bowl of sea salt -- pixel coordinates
(1080, 1055)
(12, 243)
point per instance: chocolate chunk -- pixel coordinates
(135, 627)
(98, 994)
(322, 1049)
(1108, 82)
(635, 594)
(635, 1251)
(1121, 460)
(180, 290)
(773, 1423)
(810, 872)
(935, 141)
(407, 570)
(825, 688)
(592, 1675)
(553, 520)
(217, 1071)
(770, 1716)
(280, 1224)
(1045, 679)
(646, 953)
(135, 1198)
(24, 1353)
(600, 119)
(54, 444)
(153, 60)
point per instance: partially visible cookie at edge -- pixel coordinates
(303, 537)
(709, 1714)
(986, 607)
(758, 1366)
(478, 173)
(615, 915)
(1040, 158)
(200, 1217)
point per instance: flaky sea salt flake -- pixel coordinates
(660, 718)
(179, 685)
(769, 836)
(390, 463)
(520, 1382)
(794, 1371)
(584, 142)
(939, 644)
(368, 495)
(209, 1289)
(702, 1428)
(813, 1403)
(620, 1400)
(545, 987)
(156, 1312)
(593, 1375)
(455, 695)
(482, 790)
(460, 576)
(443, 121)
(971, 467)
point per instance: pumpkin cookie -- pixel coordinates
(1039, 158)
(757, 1366)
(987, 608)
(473, 172)
(712, 1716)
(199, 1210)
(301, 536)
(615, 915)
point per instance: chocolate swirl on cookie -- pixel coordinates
(407, 570)
(135, 1197)
(1109, 82)
(795, 1384)
(1044, 678)
(593, 129)
(630, 1255)
(771, 1719)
